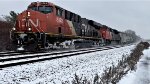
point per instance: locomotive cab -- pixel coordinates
(43, 7)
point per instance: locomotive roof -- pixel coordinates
(41, 3)
(91, 22)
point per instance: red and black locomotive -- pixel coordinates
(44, 24)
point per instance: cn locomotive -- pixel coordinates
(46, 25)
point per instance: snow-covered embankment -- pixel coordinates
(142, 74)
(58, 70)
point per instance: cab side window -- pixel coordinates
(59, 11)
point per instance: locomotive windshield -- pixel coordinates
(45, 9)
(33, 8)
(42, 9)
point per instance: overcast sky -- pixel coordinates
(117, 14)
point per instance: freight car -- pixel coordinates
(126, 38)
(45, 25)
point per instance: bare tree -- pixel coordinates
(12, 18)
(133, 35)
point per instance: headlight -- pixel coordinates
(29, 14)
(14, 28)
(29, 29)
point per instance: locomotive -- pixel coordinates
(45, 25)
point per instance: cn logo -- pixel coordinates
(59, 20)
(35, 24)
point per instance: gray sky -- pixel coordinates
(118, 14)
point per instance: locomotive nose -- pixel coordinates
(27, 21)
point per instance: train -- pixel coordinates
(45, 25)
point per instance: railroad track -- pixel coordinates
(14, 53)
(14, 58)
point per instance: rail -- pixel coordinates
(31, 57)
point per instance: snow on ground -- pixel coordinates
(142, 74)
(63, 69)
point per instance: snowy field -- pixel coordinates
(63, 69)
(142, 74)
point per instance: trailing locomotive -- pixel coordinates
(45, 25)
